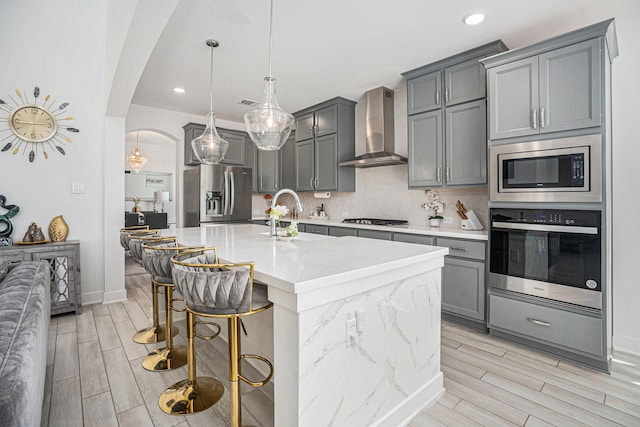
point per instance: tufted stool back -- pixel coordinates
(125, 232)
(137, 240)
(214, 288)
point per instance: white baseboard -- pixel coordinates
(628, 345)
(91, 298)
(115, 296)
(402, 414)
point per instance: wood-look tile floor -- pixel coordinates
(95, 378)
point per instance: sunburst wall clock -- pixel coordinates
(34, 127)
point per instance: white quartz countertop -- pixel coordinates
(309, 261)
(409, 229)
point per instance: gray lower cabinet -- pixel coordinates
(325, 136)
(463, 288)
(374, 234)
(554, 91)
(413, 238)
(64, 270)
(447, 120)
(235, 153)
(342, 231)
(557, 327)
(316, 229)
(464, 279)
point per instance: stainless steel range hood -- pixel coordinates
(380, 143)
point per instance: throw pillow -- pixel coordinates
(4, 268)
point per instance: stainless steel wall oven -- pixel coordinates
(555, 254)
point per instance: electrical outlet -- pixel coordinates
(256, 212)
(352, 329)
(447, 220)
(345, 214)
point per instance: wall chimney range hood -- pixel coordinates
(380, 145)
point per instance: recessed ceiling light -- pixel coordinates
(473, 18)
(179, 90)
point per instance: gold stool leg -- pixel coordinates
(234, 371)
(169, 357)
(193, 394)
(154, 333)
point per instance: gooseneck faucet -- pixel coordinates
(273, 231)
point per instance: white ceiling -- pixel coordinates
(323, 49)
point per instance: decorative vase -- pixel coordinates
(58, 229)
(434, 222)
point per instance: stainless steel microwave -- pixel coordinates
(553, 170)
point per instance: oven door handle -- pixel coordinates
(543, 227)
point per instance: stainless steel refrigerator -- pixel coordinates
(214, 193)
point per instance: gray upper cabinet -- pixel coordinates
(325, 136)
(464, 82)
(305, 126)
(466, 144)
(447, 120)
(235, 154)
(288, 163)
(236, 151)
(423, 93)
(326, 161)
(276, 169)
(554, 91)
(425, 146)
(268, 171)
(304, 165)
(513, 98)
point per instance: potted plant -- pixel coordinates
(136, 207)
(434, 207)
(278, 212)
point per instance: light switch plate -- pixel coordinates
(77, 188)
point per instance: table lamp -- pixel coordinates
(161, 197)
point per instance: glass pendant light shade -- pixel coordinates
(209, 148)
(268, 125)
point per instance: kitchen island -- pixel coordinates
(389, 292)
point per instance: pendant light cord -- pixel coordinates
(270, 34)
(211, 83)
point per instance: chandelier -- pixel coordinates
(136, 159)
(269, 125)
(209, 148)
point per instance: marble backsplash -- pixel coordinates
(382, 192)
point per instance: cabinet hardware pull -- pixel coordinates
(312, 130)
(448, 173)
(538, 322)
(446, 94)
(542, 118)
(438, 174)
(311, 183)
(454, 248)
(437, 96)
(315, 183)
(535, 118)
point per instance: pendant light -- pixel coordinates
(268, 125)
(209, 148)
(136, 159)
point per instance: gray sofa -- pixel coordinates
(24, 327)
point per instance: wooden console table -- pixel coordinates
(64, 269)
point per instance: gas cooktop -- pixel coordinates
(375, 221)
